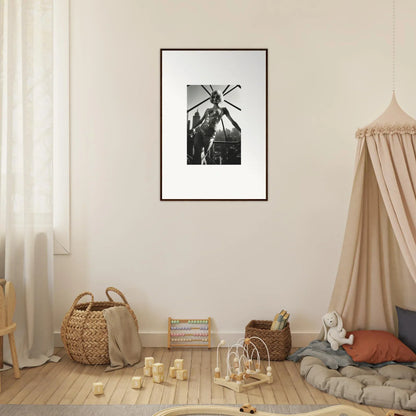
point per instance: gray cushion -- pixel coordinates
(371, 379)
(385, 396)
(319, 376)
(347, 388)
(401, 384)
(351, 371)
(398, 371)
(407, 325)
(391, 386)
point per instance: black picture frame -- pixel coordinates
(162, 51)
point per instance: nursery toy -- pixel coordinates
(148, 364)
(189, 332)
(248, 408)
(149, 361)
(277, 320)
(98, 388)
(157, 371)
(178, 363)
(335, 335)
(172, 372)
(136, 382)
(182, 374)
(241, 366)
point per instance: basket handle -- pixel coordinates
(69, 314)
(78, 298)
(113, 289)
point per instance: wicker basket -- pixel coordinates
(278, 342)
(84, 328)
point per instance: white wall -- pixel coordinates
(329, 73)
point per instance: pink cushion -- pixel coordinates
(378, 347)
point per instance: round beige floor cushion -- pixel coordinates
(391, 386)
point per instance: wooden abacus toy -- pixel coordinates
(189, 333)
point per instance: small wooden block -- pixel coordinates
(182, 374)
(136, 382)
(158, 378)
(148, 362)
(172, 372)
(158, 369)
(147, 371)
(178, 363)
(98, 388)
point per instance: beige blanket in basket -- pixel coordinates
(124, 346)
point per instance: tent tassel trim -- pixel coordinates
(385, 129)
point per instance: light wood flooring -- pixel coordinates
(68, 382)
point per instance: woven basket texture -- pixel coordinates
(84, 329)
(279, 342)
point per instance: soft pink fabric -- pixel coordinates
(377, 269)
(393, 158)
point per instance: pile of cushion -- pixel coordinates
(382, 368)
(390, 386)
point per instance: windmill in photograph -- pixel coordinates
(210, 141)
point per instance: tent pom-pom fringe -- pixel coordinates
(386, 129)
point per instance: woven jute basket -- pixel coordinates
(84, 328)
(279, 342)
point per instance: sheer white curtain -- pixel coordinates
(26, 146)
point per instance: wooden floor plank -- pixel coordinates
(75, 371)
(229, 395)
(278, 390)
(181, 393)
(169, 388)
(112, 383)
(217, 392)
(30, 389)
(298, 382)
(157, 390)
(143, 395)
(267, 389)
(75, 387)
(255, 396)
(123, 385)
(206, 377)
(195, 377)
(14, 388)
(287, 384)
(48, 386)
(94, 375)
(68, 382)
(123, 381)
(104, 378)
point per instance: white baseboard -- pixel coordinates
(159, 339)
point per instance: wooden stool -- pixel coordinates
(7, 326)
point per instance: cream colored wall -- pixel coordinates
(329, 73)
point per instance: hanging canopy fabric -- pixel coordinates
(377, 269)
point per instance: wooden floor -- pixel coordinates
(67, 382)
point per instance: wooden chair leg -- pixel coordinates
(14, 356)
(1, 353)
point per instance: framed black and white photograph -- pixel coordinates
(213, 124)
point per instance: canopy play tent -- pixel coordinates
(377, 269)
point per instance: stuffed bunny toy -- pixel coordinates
(335, 335)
